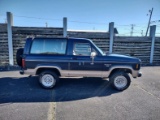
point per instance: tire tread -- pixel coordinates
(111, 79)
(48, 72)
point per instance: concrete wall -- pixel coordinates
(134, 46)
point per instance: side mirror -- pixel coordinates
(93, 54)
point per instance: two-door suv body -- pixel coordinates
(51, 58)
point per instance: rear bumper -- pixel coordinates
(21, 72)
(27, 71)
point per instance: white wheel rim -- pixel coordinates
(120, 82)
(48, 80)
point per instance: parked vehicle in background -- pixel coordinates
(51, 58)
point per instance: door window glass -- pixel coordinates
(83, 49)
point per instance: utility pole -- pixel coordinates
(150, 12)
(142, 32)
(46, 24)
(132, 28)
(5, 21)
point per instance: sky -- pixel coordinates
(84, 14)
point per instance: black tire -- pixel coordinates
(19, 56)
(120, 80)
(52, 78)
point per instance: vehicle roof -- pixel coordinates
(73, 38)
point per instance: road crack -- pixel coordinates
(147, 91)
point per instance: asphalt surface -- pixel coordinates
(21, 98)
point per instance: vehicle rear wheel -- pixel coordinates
(19, 56)
(120, 80)
(48, 79)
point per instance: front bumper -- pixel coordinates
(139, 74)
(136, 73)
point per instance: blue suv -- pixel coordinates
(51, 58)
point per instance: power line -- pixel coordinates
(30, 17)
(38, 18)
(60, 20)
(88, 22)
(122, 25)
(155, 22)
(137, 24)
(156, 15)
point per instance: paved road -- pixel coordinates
(21, 98)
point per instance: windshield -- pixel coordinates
(102, 53)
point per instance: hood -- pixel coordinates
(122, 58)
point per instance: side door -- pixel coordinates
(81, 63)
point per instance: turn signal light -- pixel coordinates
(23, 63)
(136, 66)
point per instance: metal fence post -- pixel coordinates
(64, 27)
(9, 30)
(111, 35)
(150, 31)
(153, 31)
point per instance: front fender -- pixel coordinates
(134, 73)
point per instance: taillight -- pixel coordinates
(23, 63)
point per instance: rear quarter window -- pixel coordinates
(48, 46)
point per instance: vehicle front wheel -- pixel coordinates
(48, 79)
(120, 80)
